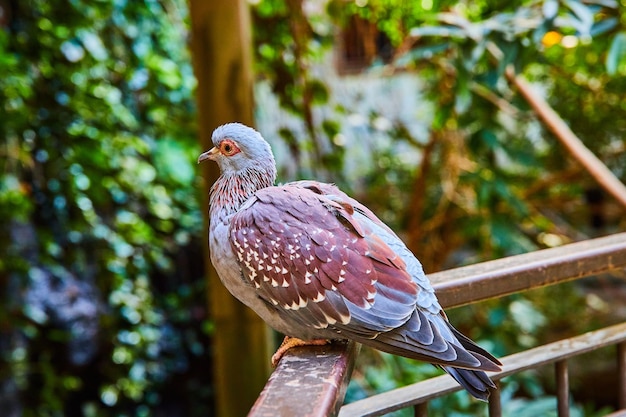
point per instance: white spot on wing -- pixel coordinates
(329, 319)
(345, 319)
(303, 302)
(319, 297)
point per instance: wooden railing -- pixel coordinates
(311, 381)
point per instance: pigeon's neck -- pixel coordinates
(230, 191)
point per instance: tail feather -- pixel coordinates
(476, 383)
(477, 351)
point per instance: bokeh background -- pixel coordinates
(108, 306)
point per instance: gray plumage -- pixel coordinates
(316, 264)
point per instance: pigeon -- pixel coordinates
(317, 265)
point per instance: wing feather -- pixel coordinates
(327, 262)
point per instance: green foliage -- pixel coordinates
(97, 161)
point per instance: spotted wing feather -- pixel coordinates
(327, 262)
(304, 260)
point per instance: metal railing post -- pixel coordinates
(495, 401)
(562, 388)
(421, 409)
(621, 371)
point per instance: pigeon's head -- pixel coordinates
(239, 148)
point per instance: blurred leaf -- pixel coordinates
(604, 26)
(463, 99)
(584, 15)
(440, 31)
(550, 9)
(616, 56)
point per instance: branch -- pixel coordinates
(605, 178)
(494, 99)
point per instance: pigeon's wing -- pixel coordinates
(306, 255)
(327, 262)
(428, 325)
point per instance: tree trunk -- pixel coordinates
(222, 56)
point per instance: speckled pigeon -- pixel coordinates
(317, 265)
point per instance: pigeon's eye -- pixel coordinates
(228, 147)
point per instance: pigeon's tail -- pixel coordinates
(476, 383)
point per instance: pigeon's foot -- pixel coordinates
(290, 342)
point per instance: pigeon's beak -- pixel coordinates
(210, 154)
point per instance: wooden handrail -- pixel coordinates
(504, 276)
(332, 364)
(309, 381)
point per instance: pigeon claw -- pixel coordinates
(290, 342)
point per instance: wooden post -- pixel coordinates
(222, 56)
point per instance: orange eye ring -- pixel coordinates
(229, 148)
